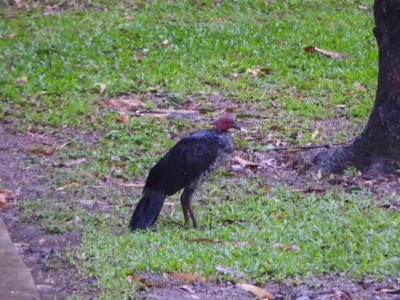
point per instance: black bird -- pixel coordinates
(185, 166)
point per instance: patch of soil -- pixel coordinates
(332, 287)
(44, 252)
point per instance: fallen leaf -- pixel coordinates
(122, 119)
(70, 163)
(131, 278)
(18, 4)
(187, 276)
(245, 162)
(294, 248)
(43, 149)
(21, 79)
(312, 49)
(138, 56)
(345, 295)
(143, 283)
(278, 245)
(8, 36)
(363, 7)
(129, 18)
(125, 104)
(279, 215)
(359, 86)
(102, 86)
(7, 193)
(255, 290)
(187, 288)
(265, 70)
(252, 72)
(314, 135)
(229, 270)
(237, 168)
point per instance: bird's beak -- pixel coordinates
(236, 125)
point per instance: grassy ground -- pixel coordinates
(60, 65)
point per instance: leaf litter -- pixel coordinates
(327, 53)
(255, 290)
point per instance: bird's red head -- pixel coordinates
(225, 123)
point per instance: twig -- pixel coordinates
(307, 147)
(169, 221)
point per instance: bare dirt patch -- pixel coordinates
(44, 252)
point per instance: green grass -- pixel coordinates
(66, 55)
(211, 46)
(335, 233)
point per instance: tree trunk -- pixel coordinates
(378, 146)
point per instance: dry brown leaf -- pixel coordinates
(125, 105)
(279, 215)
(8, 36)
(252, 72)
(122, 119)
(7, 193)
(315, 133)
(21, 79)
(187, 289)
(43, 149)
(138, 56)
(129, 18)
(102, 86)
(265, 70)
(229, 270)
(131, 278)
(358, 86)
(255, 290)
(187, 276)
(312, 49)
(245, 162)
(363, 7)
(294, 248)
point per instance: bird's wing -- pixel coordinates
(184, 163)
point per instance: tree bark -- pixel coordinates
(377, 148)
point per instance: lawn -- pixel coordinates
(65, 68)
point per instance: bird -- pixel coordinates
(185, 166)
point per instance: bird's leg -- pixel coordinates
(185, 210)
(186, 201)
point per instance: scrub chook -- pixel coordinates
(185, 166)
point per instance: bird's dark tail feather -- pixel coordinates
(147, 209)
